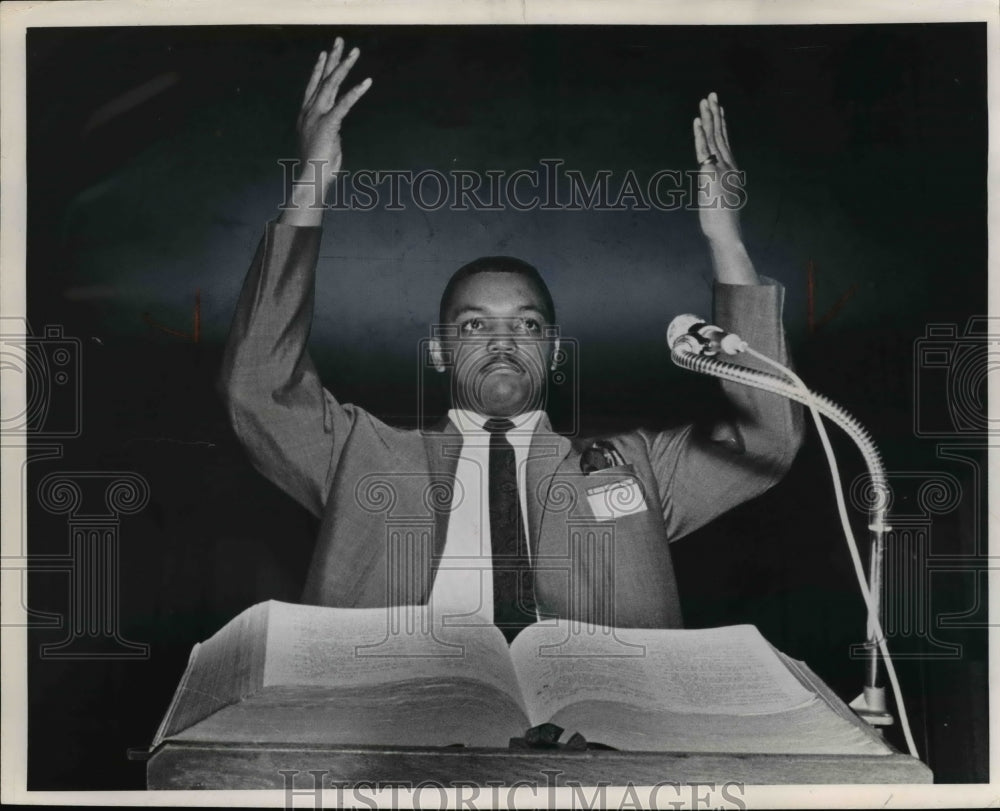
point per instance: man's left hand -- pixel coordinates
(720, 222)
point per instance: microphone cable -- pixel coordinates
(818, 404)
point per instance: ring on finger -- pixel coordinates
(713, 158)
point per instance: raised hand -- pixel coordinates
(323, 110)
(720, 221)
(717, 202)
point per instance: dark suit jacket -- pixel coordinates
(383, 494)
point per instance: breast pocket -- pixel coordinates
(614, 492)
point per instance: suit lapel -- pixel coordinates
(443, 444)
(548, 450)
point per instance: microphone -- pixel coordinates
(692, 335)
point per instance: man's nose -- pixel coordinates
(502, 341)
(502, 334)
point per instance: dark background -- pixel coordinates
(865, 148)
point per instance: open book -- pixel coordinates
(283, 673)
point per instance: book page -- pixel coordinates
(724, 671)
(221, 670)
(810, 729)
(357, 647)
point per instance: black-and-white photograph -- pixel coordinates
(500, 409)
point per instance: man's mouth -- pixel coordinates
(503, 364)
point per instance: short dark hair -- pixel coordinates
(498, 264)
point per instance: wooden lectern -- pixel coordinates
(258, 706)
(188, 765)
(260, 766)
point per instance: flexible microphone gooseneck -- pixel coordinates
(694, 345)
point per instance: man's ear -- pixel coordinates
(437, 354)
(555, 354)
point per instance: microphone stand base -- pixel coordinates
(870, 707)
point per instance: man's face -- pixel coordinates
(501, 353)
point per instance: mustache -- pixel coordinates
(504, 359)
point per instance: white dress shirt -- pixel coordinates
(463, 587)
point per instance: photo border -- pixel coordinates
(17, 17)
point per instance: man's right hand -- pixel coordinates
(323, 111)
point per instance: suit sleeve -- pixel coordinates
(701, 473)
(291, 427)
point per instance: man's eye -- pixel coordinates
(472, 325)
(530, 325)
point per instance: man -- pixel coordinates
(491, 516)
